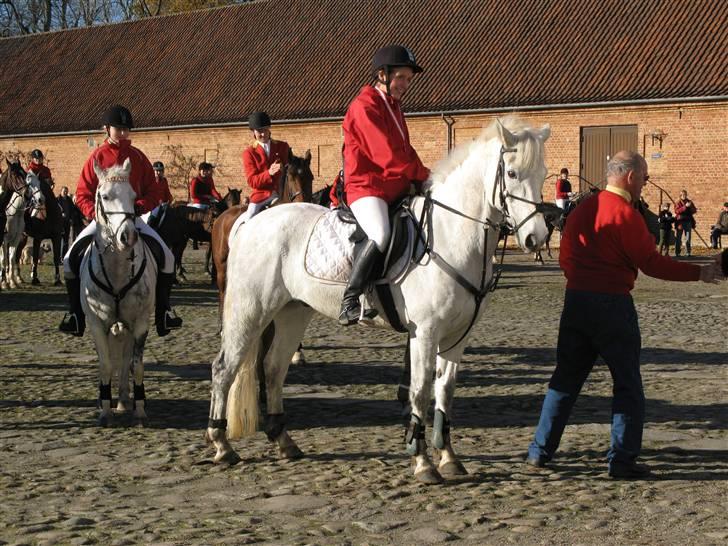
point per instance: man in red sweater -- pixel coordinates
(605, 243)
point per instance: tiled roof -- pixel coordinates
(301, 59)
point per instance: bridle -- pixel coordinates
(508, 220)
(101, 212)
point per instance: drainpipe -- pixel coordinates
(449, 121)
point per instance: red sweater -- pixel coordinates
(107, 155)
(604, 244)
(379, 160)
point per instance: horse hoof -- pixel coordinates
(298, 359)
(290, 452)
(452, 469)
(35, 282)
(104, 420)
(140, 422)
(207, 438)
(429, 476)
(58, 283)
(227, 457)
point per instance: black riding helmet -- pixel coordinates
(118, 116)
(258, 120)
(393, 56)
(158, 166)
(36, 154)
(205, 166)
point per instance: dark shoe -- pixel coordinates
(628, 471)
(164, 318)
(538, 461)
(74, 322)
(361, 271)
(71, 324)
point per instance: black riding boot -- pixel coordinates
(164, 317)
(361, 271)
(74, 322)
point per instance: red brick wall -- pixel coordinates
(694, 152)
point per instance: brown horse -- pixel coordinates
(296, 184)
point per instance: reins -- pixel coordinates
(108, 287)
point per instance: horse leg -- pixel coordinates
(137, 363)
(101, 341)
(404, 381)
(298, 356)
(13, 255)
(36, 256)
(57, 260)
(290, 325)
(423, 352)
(449, 465)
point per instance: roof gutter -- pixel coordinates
(474, 111)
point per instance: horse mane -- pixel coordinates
(529, 145)
(193, 214)
(115, 174)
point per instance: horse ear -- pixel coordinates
(506, 137)
(307, 157)
(97, 170)
(545, 132)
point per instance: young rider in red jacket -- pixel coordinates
(114, 151)
(263, 163)
(36, 165)
(379, 163)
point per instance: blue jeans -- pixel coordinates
(687, 227)
(595, 324)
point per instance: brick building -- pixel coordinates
(606, 74)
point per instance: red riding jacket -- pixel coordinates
(165, 196)
(256, 165)
(107, 155)
(202, 189)
(41, 171)
(378, 157)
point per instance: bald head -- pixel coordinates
(628, 171)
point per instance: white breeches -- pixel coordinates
(201, 206)
(141, 226)
(562, 203)
(255, 208)
(372, 213)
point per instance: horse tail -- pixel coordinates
(242, 401)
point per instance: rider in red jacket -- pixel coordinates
(202, 187)
(379, 164)
(263, 163)
(40, 170)
(114, 151)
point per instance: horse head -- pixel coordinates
(298, 180)
(232, 198)
(13, 178)
(115, 207)
(520, 175)
(35, 198)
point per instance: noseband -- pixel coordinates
(104, 214)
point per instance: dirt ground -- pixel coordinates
(66, 481)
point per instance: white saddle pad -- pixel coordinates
(329, 253)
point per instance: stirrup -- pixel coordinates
(71, 325)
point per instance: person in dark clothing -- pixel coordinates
(67, 206)
(720, 227)
(665, 220)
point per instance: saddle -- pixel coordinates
(336, 237)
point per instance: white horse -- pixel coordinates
(496, 179)
(118, 278)
(22, 197)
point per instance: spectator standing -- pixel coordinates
(665, 220)
(720, 227)
(684, 222)
(605, 243)
(67, 212)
